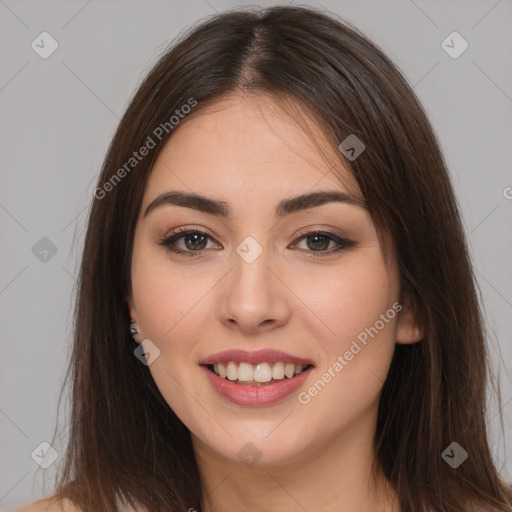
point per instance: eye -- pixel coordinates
(319, 241)
(196, 241)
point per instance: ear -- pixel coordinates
(131, 306)
(408, 329)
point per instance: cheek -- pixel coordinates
(355, 357)
(167, 297)
(360, 308)
(350, 299)
(170, 306)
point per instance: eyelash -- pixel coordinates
(169, 241)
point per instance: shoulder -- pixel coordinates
(48, 504)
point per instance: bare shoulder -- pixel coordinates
(49, 504)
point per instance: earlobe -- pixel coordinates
(408, 329)
(132, 329)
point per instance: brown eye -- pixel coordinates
(194, 242)
(319, 241)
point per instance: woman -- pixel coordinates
(275, 226)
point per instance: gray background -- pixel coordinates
(59, 114)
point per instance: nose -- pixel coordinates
(254, 296)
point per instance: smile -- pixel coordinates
(253, 393)
(265, 373)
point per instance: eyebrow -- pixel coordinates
(221, 208)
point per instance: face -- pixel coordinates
(302, 290)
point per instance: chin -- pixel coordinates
(256, 444)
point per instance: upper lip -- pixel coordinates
(258, 356)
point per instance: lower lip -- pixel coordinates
(255, 395)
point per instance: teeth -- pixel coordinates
(299, 368)
(289, 370)
(245, 372)
(232, 371)
(261, 372)
(278, 371)
(220, 370)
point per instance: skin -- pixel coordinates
(246, 151)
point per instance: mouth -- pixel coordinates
(258, 378)
(258, 375)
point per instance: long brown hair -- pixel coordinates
(125, 442)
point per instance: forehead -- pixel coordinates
(248, 147)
